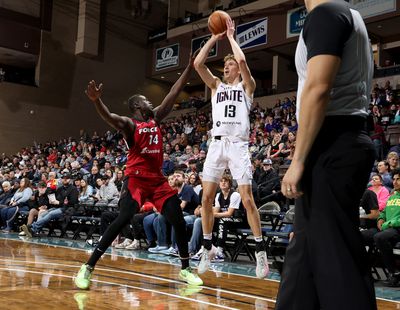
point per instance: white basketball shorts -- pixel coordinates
(227, 153)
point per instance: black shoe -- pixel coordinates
(393, 280)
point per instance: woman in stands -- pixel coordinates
(276, 147)
(195, 182)
(381, 191)
(119, 179)
(393, 160)
(19, 202)
(85, 192)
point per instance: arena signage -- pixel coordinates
(199, 43)
(252, 34)
(295, 21)
(167, 57)
(369, 8)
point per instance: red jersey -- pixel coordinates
(146, 154)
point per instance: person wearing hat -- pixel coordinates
(38, 204)
(66, 197)
(268, 181)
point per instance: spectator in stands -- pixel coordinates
(375, 100)
(276, 147)
(85, 192)
(111, 175)
(108, 192)
(204, 144)
(119, 180)
(176, 154)
(387, 233)
(369, 210)
(134, 231)
(195, 182)
(200, 160)
(184, 158)
(381, 191)
(7, 194)
(66, 196)
(167, 165)
(189, 202)
(95, 174)
(393, 160)
(228, 214)
(268, 181)
(77, 169)
(257, 167)
(19, 202)
(52, 158)
(383, 171)
(39, 203)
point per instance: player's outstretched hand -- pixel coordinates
(93, 92)
(230, 28)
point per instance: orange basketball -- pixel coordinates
(217, 22)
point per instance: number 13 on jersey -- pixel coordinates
(230, 110)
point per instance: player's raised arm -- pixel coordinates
(199, 63)
(167, 104)
(116, 121)
(248, 81)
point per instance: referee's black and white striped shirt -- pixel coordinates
(334, 29)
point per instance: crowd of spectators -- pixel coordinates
(50, 179)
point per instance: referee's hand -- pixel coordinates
(290, 183)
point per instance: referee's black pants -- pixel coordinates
(326, 265)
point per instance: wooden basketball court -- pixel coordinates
(38, 276)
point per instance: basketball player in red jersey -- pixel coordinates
(144, 179)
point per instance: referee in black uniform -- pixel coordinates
(326, 265)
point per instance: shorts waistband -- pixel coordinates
(228, 138)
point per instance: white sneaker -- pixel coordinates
(197, 256)
(158, 249)
(22, 233)
(219, 256)
(135, 245)
(262, 268)
(206, 257)
(124, 244)
(171, 251)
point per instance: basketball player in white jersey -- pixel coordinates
(231, 102)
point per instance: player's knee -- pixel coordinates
(248, 203)
(207, 201)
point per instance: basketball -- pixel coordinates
(217, 22)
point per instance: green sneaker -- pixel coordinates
(82, 279)
(190, 277)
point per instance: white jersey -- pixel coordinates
(230, 111)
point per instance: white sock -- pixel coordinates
(207, 236)
(258, 239)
